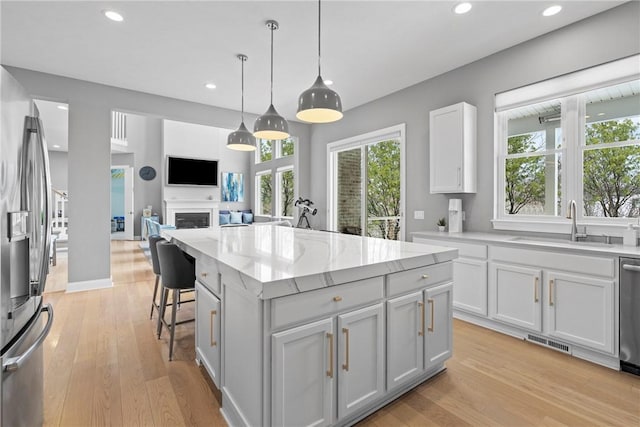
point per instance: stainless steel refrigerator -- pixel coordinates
(25, 238)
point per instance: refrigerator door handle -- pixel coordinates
(14, 363)
(46, 247)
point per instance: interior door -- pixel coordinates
(128, 203)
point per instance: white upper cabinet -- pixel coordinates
(452, 149)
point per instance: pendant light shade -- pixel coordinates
(242, 139)
(319, 104)
(271, 125)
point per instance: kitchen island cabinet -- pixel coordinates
(304, 318)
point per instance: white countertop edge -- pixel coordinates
(507, 239)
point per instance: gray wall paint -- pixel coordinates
(89, 176)
(58, 166)
(605, 37)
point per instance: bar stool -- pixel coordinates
(153, 240)
(177, 270)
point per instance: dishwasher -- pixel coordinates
(630, 315)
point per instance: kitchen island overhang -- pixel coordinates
(313, 327)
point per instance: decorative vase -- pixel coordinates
(441, 228)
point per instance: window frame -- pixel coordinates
(573, 125)
(273, 167)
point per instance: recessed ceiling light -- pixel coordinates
(113, 15)
(56, 146)
(551, 10)
(601, 114)
(587, 116)
(63, 107)
(210, 86)
(328, 82)
(462, 8)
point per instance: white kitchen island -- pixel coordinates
(300, 327)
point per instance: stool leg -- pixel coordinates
(176, 293)
(155, 293)
(163, 306)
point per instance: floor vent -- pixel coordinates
(549, 343)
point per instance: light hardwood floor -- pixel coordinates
(104, 366)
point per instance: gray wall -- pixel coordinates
(89, 176)
(605, 37)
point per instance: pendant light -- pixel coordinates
(319, 104)
(271, 125)
(242, 139)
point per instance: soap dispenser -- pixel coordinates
(630, 236)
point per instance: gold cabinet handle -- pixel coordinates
(345, 365)
(337, 298)
(536, 298)
(211, 336)
(421, 331)
(551, 292)
(425, 276)
(330, 370)
(430, 301)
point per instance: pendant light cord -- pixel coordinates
(242, 91)
(319, 37)
(272, 28)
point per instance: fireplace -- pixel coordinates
(192, 219)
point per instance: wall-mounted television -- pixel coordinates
(190, 171)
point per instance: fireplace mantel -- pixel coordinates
(171, 206)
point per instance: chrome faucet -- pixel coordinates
(571, 214)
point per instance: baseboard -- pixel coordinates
(89, 285)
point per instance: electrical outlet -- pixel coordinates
(418, 214)
(464, 217)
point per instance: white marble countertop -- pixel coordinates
(275, 261)
(533, 241)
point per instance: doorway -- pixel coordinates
(121, 202)
(366, 184)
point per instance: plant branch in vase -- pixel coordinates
(442, 223)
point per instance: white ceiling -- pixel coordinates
(370, 48)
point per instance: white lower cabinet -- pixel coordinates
(405, 338)
(208, 331)
(580, 310)
(439, 335)
(308, 359)
(303, 374)
(515, 295)
(419, 333)
(470, 285)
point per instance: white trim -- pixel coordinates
(89, 285)
(607, 74)
(560, 226)
(392, 132)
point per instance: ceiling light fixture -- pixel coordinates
(113, 15)
(210, 86)
(242, 139)
(462, 8)
(63, 107)
(56, 146)
(271, 125)
(551, 10)
(328, 82)
(601, 114)
(319, 104)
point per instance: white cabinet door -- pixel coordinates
(405, 338)
(208, 331)
(515, 295)
(452, 151)
(581, 310)
(470, 285)
(439, 331)
(303, 370)
(360, 358)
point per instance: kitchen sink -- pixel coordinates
(561, 242)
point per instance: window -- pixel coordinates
(264, 193)
(284, 181)
(275, 184)
(582, 144)
(366, 184)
